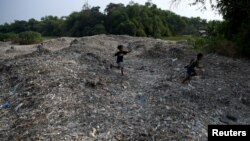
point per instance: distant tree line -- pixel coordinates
(133, 19)
(231, 36)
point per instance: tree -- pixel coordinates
(99, 29)
(237, 20)
(51, 26)
(114, 20)
(133, 19)
(176, 24)
(5, 28)
(112, 7)
(85, 23)
(127, 27)
(19, 26)
(34, 25)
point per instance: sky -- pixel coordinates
(11, 10)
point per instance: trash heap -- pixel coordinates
(71, 93)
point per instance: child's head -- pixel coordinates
(120, 47)
(199, 56)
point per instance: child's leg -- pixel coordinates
(120, 66)
(194, 73)
(122, 70)
(111, 66)
(189, 74)
(187, 78)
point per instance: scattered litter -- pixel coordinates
(68, 92)
(5, 105)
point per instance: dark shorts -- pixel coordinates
(120, 64)
(191, 72)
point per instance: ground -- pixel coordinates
(68, 92)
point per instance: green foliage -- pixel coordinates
(222, 47)
(198, 44)
(242, 39)
(176, 23)
(234, 30)
(34, 25)
(127, 27)
(19, 26)
(99, 29)
(116, 20)
(51, 26)
(133, 19)
(216, 42)
(140, 33)
(29, 37)
(193, 25)
(85, 23)
(9, 37)
(218, 45)
(236, 26)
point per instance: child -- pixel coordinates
(40, 47)
(119, 60)
(190, 68)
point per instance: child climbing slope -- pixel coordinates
(121, 52)
(190, 68)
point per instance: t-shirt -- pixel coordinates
(119, 55)
(193, 64)
(39, 46)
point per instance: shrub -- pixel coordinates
(223, 47)
(29, 37)
(99, 29)
(140, 33)
(242, 40)
(198, 44)
(217, 45)
(5, 37)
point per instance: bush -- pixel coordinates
(5, 37)
(198, 44)
(140, 33)
(29, 37)
(217, 45)
(242, 40)
(223, 47)
(99, 29)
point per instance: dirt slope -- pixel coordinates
(70, 93)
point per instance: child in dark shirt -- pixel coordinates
(40, 47)
(121, 52)
(190, 68)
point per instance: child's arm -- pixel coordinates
(127, 51)
(116, 53)
(191, 61)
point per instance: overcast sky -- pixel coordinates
(11, 10)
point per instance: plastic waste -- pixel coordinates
(5, 105)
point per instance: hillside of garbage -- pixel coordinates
(67, 91)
